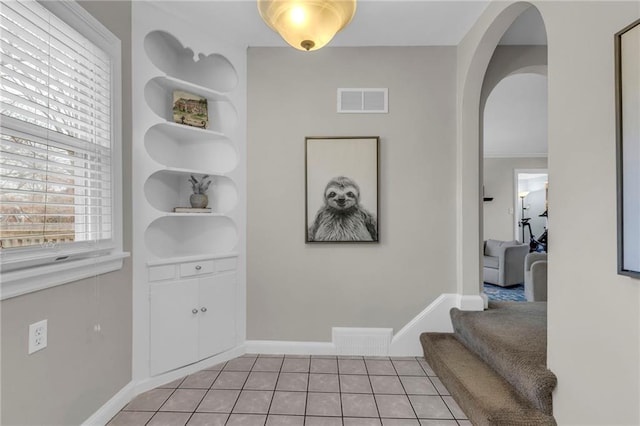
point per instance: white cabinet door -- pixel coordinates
(217, 314)
(173, 324)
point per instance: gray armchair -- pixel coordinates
(535, 277)
(504, 262)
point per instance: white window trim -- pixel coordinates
(30, 279)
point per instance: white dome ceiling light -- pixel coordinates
(307, 24)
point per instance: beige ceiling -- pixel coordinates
(516, 119)
(376, 22)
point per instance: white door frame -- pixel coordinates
(516, 199)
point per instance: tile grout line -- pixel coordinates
(439, 394)
(224, 364)
(339, 390)
(306, 400)
(405, 391)
(165, 401)
(273, 396)
(203, 396)
(373, 394)
(241, 389)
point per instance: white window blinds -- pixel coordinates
(55, 132)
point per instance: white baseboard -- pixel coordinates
(133, 389)
(112, 407)
(434, 317)
(289, 348)
(485, 300)
(155, 381)
(471, 303)
(406, 342)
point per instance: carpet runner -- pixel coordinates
(494, 364)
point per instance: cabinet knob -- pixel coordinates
(194, 311)
(198, 267)
(203, 309)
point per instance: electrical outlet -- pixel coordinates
(37, 336)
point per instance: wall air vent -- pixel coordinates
(363, 101)
(362, 341)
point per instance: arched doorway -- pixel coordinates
(514, 138)
(475, 57)
(513, 114)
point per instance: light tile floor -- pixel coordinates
(277, 390)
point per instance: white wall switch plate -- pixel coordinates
(37, 336)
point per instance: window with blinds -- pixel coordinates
(56, 174)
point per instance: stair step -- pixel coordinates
(484, 396)
(512, 338)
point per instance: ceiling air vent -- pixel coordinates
(363, 101)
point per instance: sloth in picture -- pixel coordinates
(341, 218)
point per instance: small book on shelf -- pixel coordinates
(191, 210)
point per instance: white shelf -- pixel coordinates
(192, 214)
(169, 188)
(187, 149)
(194, 258)
(188, 133)
(190, 171)
(172, 83)
(212, 71)
(158, 93)
(171, 237)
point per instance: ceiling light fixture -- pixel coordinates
(307, 24)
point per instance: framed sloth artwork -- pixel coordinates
(342, 189)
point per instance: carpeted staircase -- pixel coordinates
(494, 364)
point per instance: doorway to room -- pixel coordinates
(513, 112)
(531, 209)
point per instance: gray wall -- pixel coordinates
(298, 291)
(594, 314)
(499, 184)
(80, 369)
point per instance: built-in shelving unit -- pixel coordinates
(186, 151)
(189, 278)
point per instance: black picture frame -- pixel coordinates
(342, 189)
(627, 78)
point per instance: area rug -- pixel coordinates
(514, 293)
